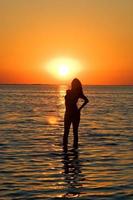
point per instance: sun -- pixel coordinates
(63, 68)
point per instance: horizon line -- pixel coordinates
(65, 84)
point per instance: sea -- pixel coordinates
(33, 164)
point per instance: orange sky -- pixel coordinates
(98, 33)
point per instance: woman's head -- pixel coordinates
(77, 86)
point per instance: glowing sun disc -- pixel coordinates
(63, 68)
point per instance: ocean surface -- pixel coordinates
(33, 164)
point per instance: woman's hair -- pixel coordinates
(77, 86)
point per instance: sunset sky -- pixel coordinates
(93, 38)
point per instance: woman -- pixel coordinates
(72, 113)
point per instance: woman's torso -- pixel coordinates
(71, 99)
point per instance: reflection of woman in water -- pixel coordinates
(72, 174)
(72, 113)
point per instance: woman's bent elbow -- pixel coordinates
(86, 101)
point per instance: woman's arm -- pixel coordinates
(85, 101)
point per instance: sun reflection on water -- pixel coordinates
(62, 92)
(52, 120)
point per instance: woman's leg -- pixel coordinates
(75, 123)
(67, 124)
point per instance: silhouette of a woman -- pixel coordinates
(72, 113)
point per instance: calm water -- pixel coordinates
(32, 162)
